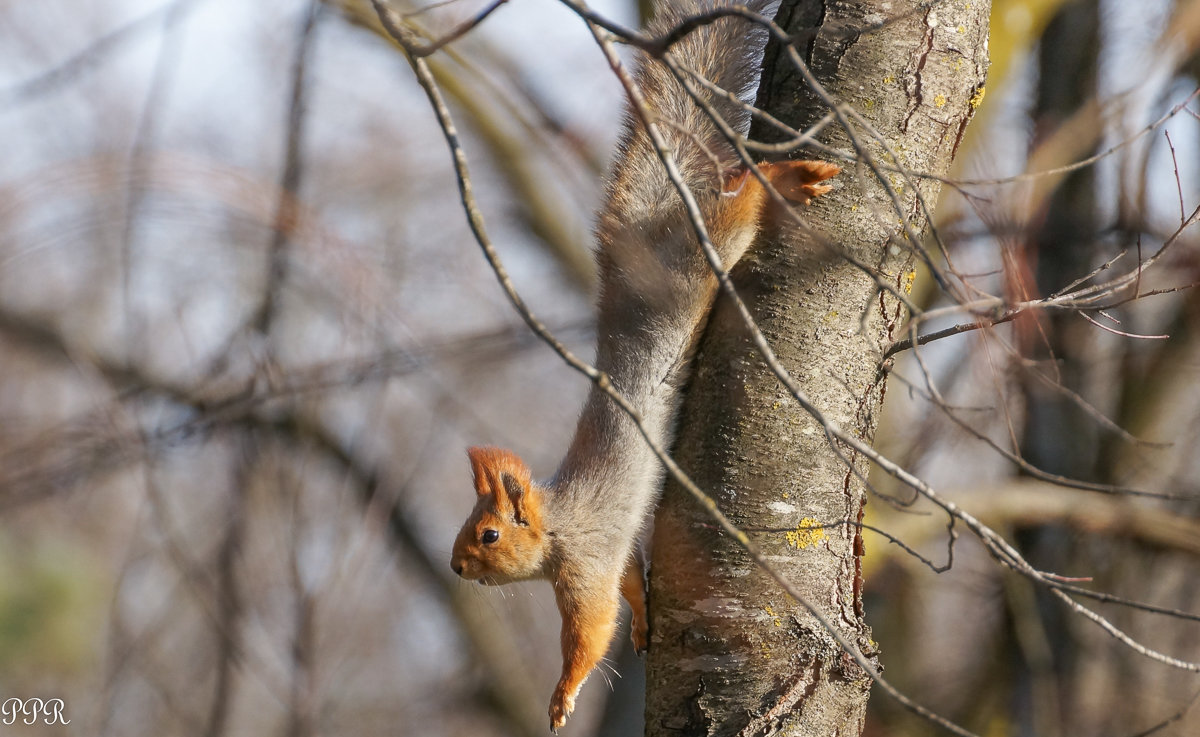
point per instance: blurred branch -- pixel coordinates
(1171, 719)
(229, 603)
(140, 157)
(293, 168)
(301, 716)
(505, 694)
(1027, 503)
(1015, 456)
(541, 212)
(64, 457)
(69, 70)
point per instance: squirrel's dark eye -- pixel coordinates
(490, 536)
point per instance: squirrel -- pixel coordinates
(579, 529)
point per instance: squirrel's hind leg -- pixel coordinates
(633, 588)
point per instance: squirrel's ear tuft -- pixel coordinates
(799, 181)
(515, 489)
(499, 473)
(479, 458)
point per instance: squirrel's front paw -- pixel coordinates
(561, 706)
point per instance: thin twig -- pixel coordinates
(421, 50)
(953, 536)
(1114, 331)
(1178, 183)
(1171, 719)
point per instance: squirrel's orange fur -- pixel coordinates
(578, 529)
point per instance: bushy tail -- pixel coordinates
(726, 52)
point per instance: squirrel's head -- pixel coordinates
(504, 538)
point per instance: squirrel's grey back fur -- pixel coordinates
(656, 288)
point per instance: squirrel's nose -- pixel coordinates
(458, 567)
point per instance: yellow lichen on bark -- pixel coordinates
(806, 534)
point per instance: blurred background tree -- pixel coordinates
(245, 336)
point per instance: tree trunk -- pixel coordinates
(731, 654)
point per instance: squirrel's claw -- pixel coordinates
(639, 632)
(561, 706)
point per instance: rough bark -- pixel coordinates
(731, 654)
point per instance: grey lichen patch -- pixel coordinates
(683, 616)
(782, 509)
(720, 607)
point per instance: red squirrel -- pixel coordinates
(578, 529)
